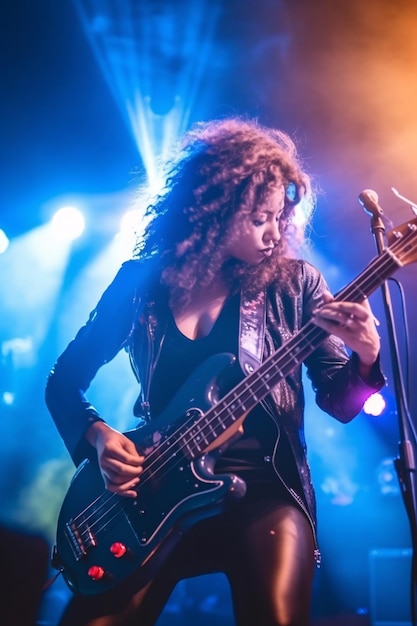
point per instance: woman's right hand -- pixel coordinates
(119, 461)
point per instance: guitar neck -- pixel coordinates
(255, 387)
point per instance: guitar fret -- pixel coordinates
(392, 255)
(188, 447)
(265, 381)
(231, 416)
(240, 405)
(210, 427)
(206, 422)
(197, 438)
(222, 424)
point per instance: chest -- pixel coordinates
(198, 319)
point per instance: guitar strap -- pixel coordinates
(252, 320)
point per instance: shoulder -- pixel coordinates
(304, 269)
(130, 282)
(297, 276)
(134, 273)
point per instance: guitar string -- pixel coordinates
(157, 455)
(108, 519)
(105, 513)
(170, 458)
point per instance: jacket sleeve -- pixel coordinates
(96, 343)
(334, 372)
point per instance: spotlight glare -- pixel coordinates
(8, 398)
(375, 405)
(4, 241)
(129, 223)
(301, 214)
(68, 223)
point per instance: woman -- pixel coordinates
(215, 273)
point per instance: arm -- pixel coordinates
(343, 383)
(78, 422)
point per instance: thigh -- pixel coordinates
(271, 576)
(111, 610)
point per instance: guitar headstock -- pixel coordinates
(402, 242)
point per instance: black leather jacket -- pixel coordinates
(131, 315)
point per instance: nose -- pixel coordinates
(273, 235)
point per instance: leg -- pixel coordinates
(271, 577)
(142, 607)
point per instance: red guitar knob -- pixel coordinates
(118, 549)
(96, 572)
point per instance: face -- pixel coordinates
(253, 237)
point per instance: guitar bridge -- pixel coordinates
(81, 538)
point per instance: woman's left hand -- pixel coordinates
(355, 324)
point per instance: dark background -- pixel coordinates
(340, 77)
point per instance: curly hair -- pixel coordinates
(224, 167)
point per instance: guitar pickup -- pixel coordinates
(81, 538)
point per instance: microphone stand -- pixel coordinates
(405, 463)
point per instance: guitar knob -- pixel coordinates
(118, 549)
(96, 572)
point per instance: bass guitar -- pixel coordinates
(103, 539)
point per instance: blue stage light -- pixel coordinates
(68, 223)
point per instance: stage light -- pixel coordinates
(375, 405)
(4, 241)
(8, 398)
(129, 223)
(302, 213)
(126, 237)
(153, 73)
(68, 223)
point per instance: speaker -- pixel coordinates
(390, 585)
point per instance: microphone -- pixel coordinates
(369, 200)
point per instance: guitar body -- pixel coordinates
(102, 538)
